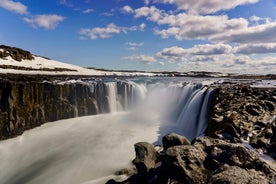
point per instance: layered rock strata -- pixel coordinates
(28, 104)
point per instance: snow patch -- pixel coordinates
(43, 66)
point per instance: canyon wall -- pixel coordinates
(28, 104)
(29, 101)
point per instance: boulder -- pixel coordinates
(185, 164)
(237, 175)
(205, 160)
(173, 139)
(146, 157)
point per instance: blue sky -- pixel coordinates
(175, 35)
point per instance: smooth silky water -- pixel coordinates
(88, 150)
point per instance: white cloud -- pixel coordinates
(232, 64)
(143, 59)
(197, 52)
(44, 21)
(108, 14)
(133, 46)
(161, 63)
(218, 28)
(127, 9)
(142, 26)
(203, 58)
(222, 57)
(146, 2)
(87, 11)
(66, 3)
(105, 32)
(259, 48)
(184, 26)
(210, 49)
(152, 13)
(172, 54)
(260, 20)
(207, 6)
(255, 34)
(16, 7)
(98, 32)
(241, 59)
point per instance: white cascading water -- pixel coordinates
(188, 121)
(113, 103)
(89, 150)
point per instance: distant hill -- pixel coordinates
(15, 53)
(18, 61)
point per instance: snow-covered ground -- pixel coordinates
(43, 66)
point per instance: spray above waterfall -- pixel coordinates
(181, 104)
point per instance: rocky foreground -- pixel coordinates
(241, 113)
(240, 116)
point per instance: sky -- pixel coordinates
(232, 36)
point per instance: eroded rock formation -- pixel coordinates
(26, 104)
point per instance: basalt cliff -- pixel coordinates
(29, 102)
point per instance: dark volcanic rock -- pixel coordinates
(146, 157)
(207, 160)
(185, 164)
(241, 112)
(28, 104)
(237, 175)
(15, 53)
(173, 139)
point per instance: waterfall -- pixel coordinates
(192, 120)
(184, 106)
(113, 104)
(117, 96)
(91, 149)
(138, 93)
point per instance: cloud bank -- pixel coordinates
(47, 22)
(13, 6)
(108, 31)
